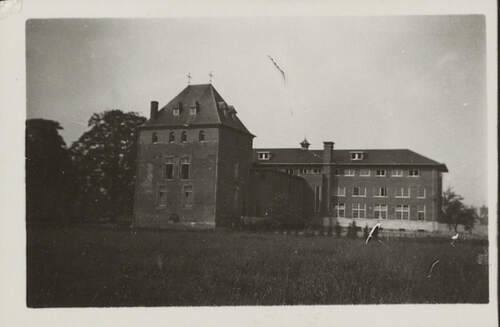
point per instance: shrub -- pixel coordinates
(338, 229)
(329, 230)
(352, 232)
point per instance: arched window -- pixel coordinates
(184, 137)
(154, 138)
(201, 136)
(171, 137)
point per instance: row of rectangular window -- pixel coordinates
(193, 109)
(304, 171)
(187, 192)
(169, 166)
(399, 192)
(168, 169)
(171, 137)
(379, 172)
(380, 211)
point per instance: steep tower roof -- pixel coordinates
(210, 109)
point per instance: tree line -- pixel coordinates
(93, 179)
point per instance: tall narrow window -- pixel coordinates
(177, 109)
(341, 191)
(188, 195)
(421, 212)
(421, 192)
(162, 196)
(154, 138)
(201, 136)
(168, 170)
(193, 110)
(340, 210)
(184, 137)
(171, 137)
(381, 192)
(185, 168)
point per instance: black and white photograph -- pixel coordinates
(257, 162)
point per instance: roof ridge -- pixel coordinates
(437, 162)
(212, 98)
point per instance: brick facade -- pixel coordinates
(196, 165)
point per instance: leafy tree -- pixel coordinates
(455, 212)
(48, 172)
(105, 160)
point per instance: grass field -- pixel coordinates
(92, 266)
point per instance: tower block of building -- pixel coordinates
(194, 158)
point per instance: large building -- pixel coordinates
(196, 165)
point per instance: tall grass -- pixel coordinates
(106, 267)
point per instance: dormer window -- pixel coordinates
(357, 155)
(413, 172)
(264, 155)
(232, 112)
(183, 137)
(177, 109)
(154, 138)
(221, 105)
(193, 110)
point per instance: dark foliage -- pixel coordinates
(48, 172)
(105, 161)
(329, 230)
(338, 229)
(285, 213)
(455, 212)
(352, 231)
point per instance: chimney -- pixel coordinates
(154, 110)
(328, 151)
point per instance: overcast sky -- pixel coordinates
(414, 82)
